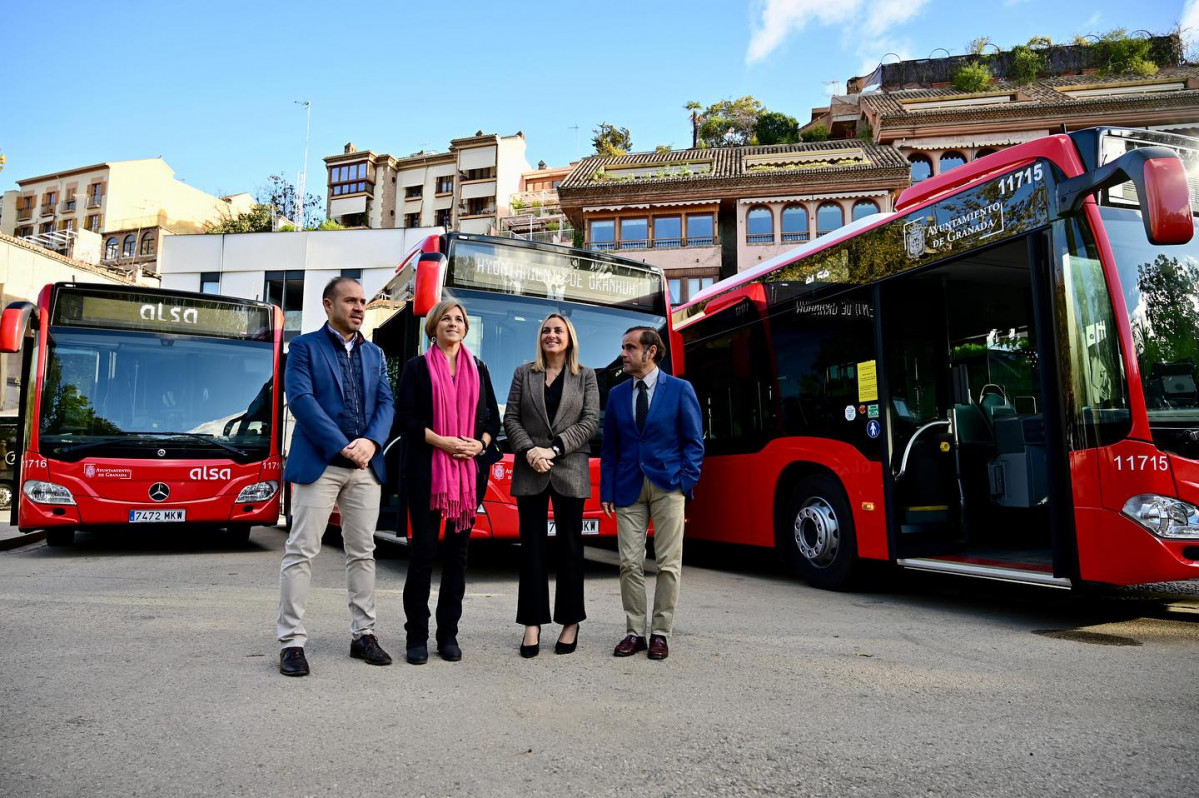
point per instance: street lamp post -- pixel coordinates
(300, 188)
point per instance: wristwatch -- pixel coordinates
(556, 450)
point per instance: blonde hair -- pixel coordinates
(572, 348)
(438, 313)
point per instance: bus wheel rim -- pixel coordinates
(817, 532)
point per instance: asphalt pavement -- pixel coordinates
(148, 666)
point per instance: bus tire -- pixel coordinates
(5, 495)
(816, 534)
(60, 537)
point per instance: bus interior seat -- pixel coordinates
(995, 404)
(970, 425)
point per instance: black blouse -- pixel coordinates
(553, 396)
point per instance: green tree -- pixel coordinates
(775, 127)
(972, 78)
(730, 123)
(610, 140)
(2, 161)
(259, 219)
(280, 193)
(815, 133)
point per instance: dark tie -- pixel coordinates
(642, 405)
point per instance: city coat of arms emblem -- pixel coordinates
(913, 238)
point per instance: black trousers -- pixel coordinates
(533, 599)
(421, 556)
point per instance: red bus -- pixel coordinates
(143, 406)
(997, 380)
(508, 287)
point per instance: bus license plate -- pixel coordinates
(156, 516)
(590, 527)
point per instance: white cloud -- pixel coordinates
(1190, 25)
(779, 19)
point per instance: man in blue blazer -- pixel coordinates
(337, 389)
(652, 451)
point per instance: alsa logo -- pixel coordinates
(210, 473)
(180, 315)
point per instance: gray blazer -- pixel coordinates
(527, 425)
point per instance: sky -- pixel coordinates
(211, 87)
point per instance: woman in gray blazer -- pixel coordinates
(552, 412)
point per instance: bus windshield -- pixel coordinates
(504, 334)
(1161, 292)
(106, 390)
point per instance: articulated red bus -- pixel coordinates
(997, 380)
(142, 406)
(508, 286)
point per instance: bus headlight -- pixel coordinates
(258, 492)
(1164, 516)
(47, 492)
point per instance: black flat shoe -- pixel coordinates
(567, 648)
(449, 650)
(528, 652)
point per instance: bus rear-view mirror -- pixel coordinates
(14, 324)
(1163, 194)
(430, 276)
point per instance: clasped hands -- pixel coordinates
(540, 458)
(360, 451)
(461, 448)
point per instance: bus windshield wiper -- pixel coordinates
(128, 437)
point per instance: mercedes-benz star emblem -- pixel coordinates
(159, 491)
(162, 452)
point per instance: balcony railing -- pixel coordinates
(689, 242)
(48, 210)
(789, 238)
(94, 200)
(68, 205)
(759, 238)
(24, 214)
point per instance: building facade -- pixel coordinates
(287, 269)
(129, 205)
(535, 211)
(703, 214)
(464, 189)
(914, 108)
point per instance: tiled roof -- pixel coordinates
(1040, 98)
(63, 259)
(732, 165)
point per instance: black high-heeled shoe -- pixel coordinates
(531, 651)
(567, 648)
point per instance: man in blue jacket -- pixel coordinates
(337, 389)
(652, 451)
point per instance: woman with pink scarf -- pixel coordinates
(448, 416)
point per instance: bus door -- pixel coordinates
(969, 444)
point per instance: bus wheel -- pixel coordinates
(817, 534)
(60, 537)
(5, 495)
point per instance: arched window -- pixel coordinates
(147, 247)
(951, 160)
(127, 246)
(863, 208)
(110, 249)
(829, 217)
(795, 223)
(984, 152)
(759, 224)
(922, 167)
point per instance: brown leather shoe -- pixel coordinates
(629, 646)
(658, 648)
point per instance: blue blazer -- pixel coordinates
(313, 385)
(669, 451)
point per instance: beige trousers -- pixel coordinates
(665, 509)
(356, 492)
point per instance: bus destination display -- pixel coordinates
(530, 272)
(159, 313)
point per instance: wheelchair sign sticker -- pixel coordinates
(873, 429)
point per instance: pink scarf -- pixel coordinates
(455, 401)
